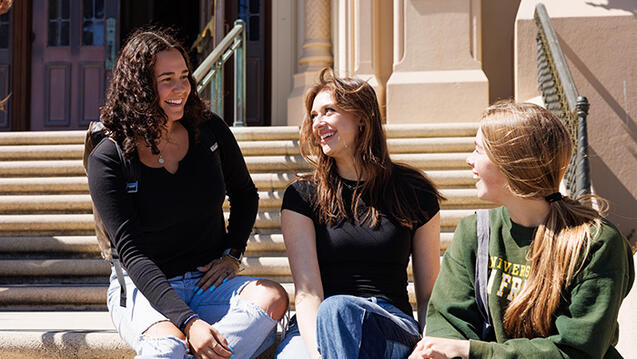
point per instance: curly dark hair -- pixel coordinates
(132, 107)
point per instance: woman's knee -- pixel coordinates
(162, 340)
(337, 305)
(164, 329)
(268, 295)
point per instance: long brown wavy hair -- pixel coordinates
(132, 106)
(389, 188)
(533, 148)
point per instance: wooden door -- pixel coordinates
(254, 13)
(74, 46)
(5, 68)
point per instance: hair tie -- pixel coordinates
(557, 196)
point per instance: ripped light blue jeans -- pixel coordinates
(248, 329)
(354, 327)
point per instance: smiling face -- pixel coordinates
(171, 79)
(335, 130)
(492, 183)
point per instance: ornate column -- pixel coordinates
(436, 77)
(365, 45)
(316, 54)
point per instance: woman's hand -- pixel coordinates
(205, 341)
(440, 348)
(216, 272)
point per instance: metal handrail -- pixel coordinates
(210, 72)
(559, 93)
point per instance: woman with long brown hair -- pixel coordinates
(350, 228)
(180, 294)
(558, 271)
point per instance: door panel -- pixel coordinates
(68, 75)
(91, 80)
(57, 94)
(5, 67)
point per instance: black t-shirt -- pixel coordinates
(175, 222)
(357, 259)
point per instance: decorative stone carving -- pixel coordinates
(316, 51)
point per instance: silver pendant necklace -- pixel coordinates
(160, 159)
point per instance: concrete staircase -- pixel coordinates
(52, 279)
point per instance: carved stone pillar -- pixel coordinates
(365, 46)
(316, 54)
(436, 77)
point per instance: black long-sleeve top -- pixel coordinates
(175, 222)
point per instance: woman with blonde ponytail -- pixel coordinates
(557, 270)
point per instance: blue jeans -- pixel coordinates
(354, 327)
(248, 329)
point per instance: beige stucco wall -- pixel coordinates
(598, 38)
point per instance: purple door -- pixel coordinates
(69, 62)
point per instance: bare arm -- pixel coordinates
(426, 263)
(300, 242)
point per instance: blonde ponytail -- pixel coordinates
(556, 254)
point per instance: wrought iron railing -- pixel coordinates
(209, 74)
(560, 96)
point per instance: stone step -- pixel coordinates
(25, 223)
(69, 203)
(248, 148)
(78, 203)
(254, 266)
(268, 133)
(87, 245)
(79, 222)
(48, 296)
(66, 334)
(41, 152)
(426, 161)
(53, 270)
(263, 181)
(50, 185)
(257, 243)
(41, 137)
(63, 343)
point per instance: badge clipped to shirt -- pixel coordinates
(214, 147)
(131, 187)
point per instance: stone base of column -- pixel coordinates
(436, 96)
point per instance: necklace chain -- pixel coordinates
(351, 186)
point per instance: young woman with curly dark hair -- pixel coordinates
(350, 229)
(180, 262)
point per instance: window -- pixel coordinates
(93, 23)
(59, 22)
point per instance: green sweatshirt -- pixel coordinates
(586, 320)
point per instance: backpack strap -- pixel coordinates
(482, 267)
(132, 171)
